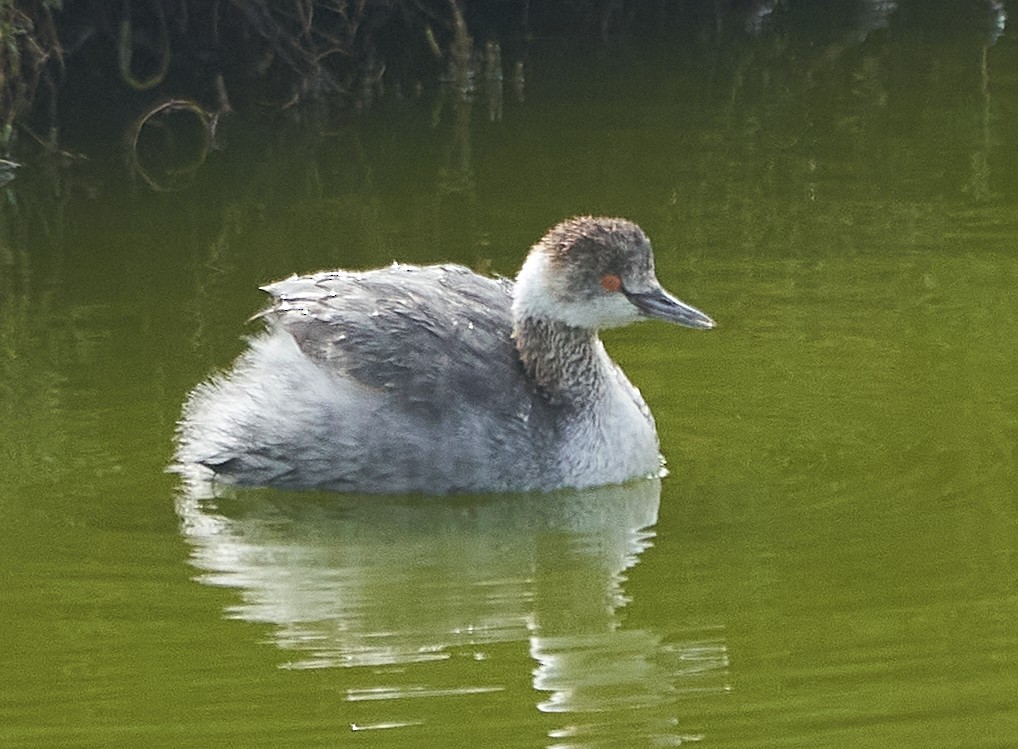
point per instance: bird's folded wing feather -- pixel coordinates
(423, 334)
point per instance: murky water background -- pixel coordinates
(832, 561)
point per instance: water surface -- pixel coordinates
(832, 560)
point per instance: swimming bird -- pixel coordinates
(438, 380)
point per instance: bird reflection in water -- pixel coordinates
(397, 585)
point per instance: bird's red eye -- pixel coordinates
(611, 282)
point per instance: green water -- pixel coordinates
(833, 560)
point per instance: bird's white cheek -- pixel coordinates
(608, 311)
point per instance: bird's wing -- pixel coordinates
(429, 336)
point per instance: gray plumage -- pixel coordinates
(421, 335)
(438, 380)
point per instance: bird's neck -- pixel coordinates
(566, 364)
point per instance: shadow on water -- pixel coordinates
(387, 584)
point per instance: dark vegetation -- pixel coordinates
(70, 69)
(147, 82)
